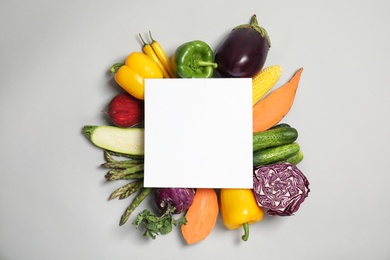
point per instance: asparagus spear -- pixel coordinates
(136, 202)
(126, 190)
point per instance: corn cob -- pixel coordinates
(148, 50)
(162, 55)
(264, 80)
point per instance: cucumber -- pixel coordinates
(128, 141)
(275, 154)
(280, 135)
(295, 159)
(281, 125)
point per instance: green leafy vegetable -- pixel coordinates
(156, 225)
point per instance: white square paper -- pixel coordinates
(198, 133)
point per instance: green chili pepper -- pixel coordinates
(194, 60)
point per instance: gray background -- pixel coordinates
(53, 76)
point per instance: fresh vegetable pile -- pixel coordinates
(279, 186)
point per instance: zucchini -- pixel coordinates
(275, 154)
(128, 141)
(277, 136)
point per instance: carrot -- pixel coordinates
(201, 216)
(271, 110)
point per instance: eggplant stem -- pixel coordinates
(254, 21)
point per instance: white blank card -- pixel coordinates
(198, 133)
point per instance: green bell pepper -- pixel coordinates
(194, 60)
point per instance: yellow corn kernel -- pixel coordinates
(263, 81)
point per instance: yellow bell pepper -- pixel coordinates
(239, 209)
(130, 76)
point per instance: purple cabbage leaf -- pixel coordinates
(280, 188)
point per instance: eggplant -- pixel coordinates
(243, 52)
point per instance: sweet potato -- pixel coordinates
(271, 110)
(201, 216)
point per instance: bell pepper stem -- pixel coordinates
(115, 67)
(246, 231)
(206, 63)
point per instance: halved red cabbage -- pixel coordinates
(180, 198)
(280, 188)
